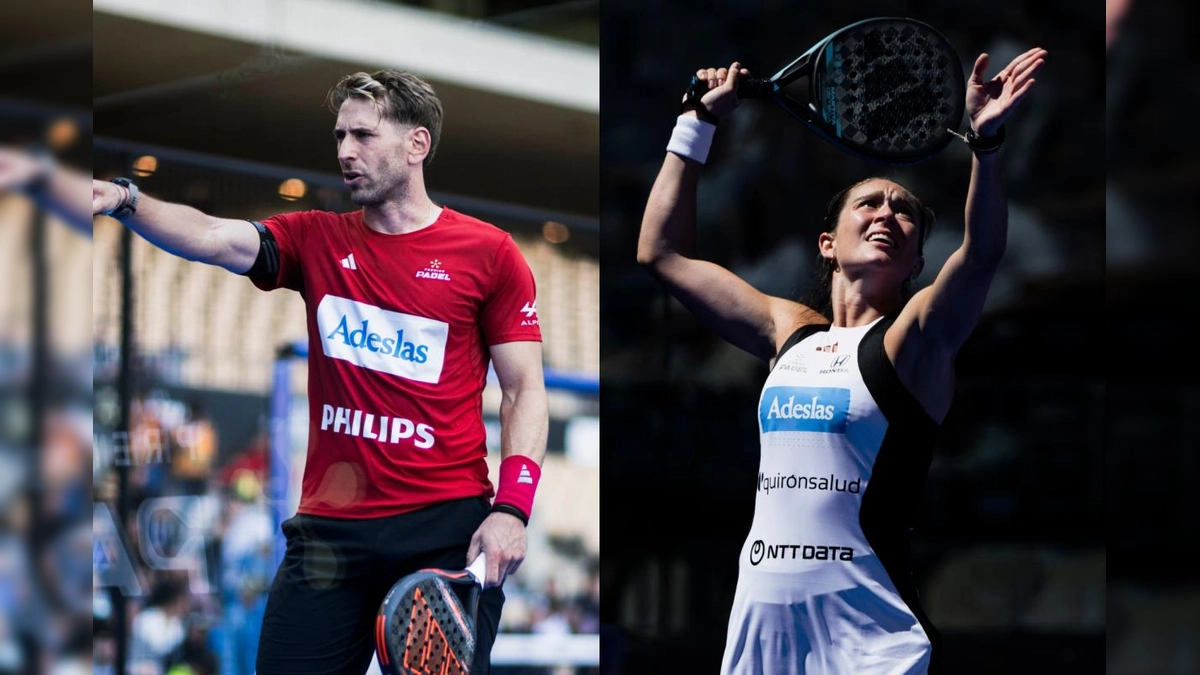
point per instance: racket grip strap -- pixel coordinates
(478, 569)
(692, 101)
(692, 138)
(519, 476)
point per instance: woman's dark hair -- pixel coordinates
(822, 295)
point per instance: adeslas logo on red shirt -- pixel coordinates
(404, 345)
(388, 346)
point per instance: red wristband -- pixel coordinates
(519, 476)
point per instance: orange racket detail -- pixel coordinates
(380, 645)
(426, 624)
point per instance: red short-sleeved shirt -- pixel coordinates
(399, 328)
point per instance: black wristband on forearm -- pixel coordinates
(985, 145)
(512, 511)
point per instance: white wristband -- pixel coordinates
(691, 138)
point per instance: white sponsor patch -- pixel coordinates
(403, 345)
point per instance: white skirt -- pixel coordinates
(777, 628)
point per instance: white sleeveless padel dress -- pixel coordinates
(824, 585)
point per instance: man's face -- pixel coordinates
(372, 153)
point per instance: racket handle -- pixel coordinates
(478, 569)
(755, 88)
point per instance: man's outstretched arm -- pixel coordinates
(182, 230)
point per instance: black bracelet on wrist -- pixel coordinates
(982, 145)
(695, 92)
(985, 145)
(128, 206)
(512, 511)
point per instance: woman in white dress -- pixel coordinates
(848, 414)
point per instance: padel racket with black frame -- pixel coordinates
(889, 89)
(426, 624)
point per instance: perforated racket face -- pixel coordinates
(889, 89)
(886, 89)
(423, 629)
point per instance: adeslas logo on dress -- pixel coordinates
(822, 409)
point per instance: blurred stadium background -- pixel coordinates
(1010, 549)
(221, 106)
(45, 352)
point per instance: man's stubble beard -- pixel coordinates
(364, 196)
(374, 193)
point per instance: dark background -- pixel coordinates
(1152, 458)
(1010, 548)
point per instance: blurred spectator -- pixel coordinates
(64, 471)
(104, 650)
(194, 655)
(588, 601)
(158, 628)
(550, 616)
(248, 566)
(195, 450)
(251, 461)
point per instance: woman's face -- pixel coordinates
(877, 232)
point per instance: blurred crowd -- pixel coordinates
(199, 544)
(198, 540)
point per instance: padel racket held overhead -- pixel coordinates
(426, 624)
(889, 89)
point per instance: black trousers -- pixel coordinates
(320, 615)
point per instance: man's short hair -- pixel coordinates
(400, 97)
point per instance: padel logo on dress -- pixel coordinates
(821, 409)
(403, 345)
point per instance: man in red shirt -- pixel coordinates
(407, 301)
